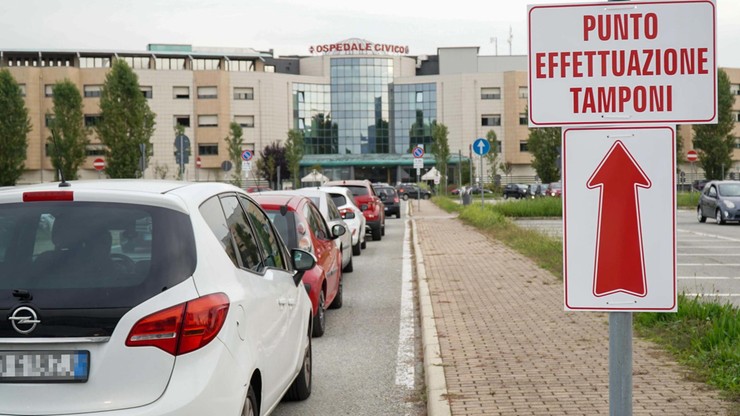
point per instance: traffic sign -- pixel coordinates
(419, 163)
(623, 64)
(99, 164)
(619, 216)
(418, 152)
(226, 165)
(481, 146)
(692, 156)
(247, 155)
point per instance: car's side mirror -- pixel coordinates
(363, 207)
(348, 215)
(302, 262)
(337, 230)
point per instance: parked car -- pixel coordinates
(699, 184)
(186, 322)
(555, 189)
(515, 190)
(258, 188)
(537, 190)
(476, 190)
(411, 190)
(721, 201)
(301, 225)
(390, 199)
(370, 204)
(351, 214)
(332, 216)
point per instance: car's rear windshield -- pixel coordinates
(358, 190)
(285, 225)
(92, 254)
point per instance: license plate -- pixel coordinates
(44, 366)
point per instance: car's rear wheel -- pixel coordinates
(427, 196)
(337, 302)
(357, 249)
(250, 404)
(718, 217)
(349, 267)
(700, 216)
(301, 387)
(506, 196)
(405, 197)
(364, 244)
(319, 320)
(377, 233)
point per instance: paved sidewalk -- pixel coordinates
(508, 348)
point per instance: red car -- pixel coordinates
(300, 224)
(370, 204)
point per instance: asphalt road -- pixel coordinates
(367, 362)
(707, 255)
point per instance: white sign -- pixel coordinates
(623, 62)
(619, 219)
(419, 163)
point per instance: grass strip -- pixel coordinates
(687, 199)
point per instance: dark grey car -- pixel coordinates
(719, 200)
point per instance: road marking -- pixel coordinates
(723, 247)
(405, 361)
(719, 237)
(708, 278)
(708, 264)
(706, 255)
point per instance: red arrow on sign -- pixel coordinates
(619, 264)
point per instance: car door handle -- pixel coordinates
(282, 302)
(291, 302)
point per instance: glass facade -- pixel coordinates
(362, 112)
(414, 111)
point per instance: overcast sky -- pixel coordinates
(291, 26)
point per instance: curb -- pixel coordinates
(434, 376)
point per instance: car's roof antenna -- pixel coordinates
(62, 182)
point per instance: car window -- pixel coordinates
(729, 189)
(358, 190)
(267, 237)
(338, 199)
(285, 226)
(93, 254)
(316, 222)
(334, 214)
(242, 234)
(712, 191)
(214, 215)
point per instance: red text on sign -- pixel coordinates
(653, 98)
(621, 26)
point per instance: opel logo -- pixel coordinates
(24, 320)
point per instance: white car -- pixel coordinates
(352, 214)
(144, 298)
(332, 216)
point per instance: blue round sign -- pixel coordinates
(247, 155)
(481, 146)
(418, 152)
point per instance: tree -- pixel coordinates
(544, 144)
(294, 154)
(714, 142)
(68, 140)
(492, 155)
(126, 122)
(272, 158)
(234, 143)
(14, 127)
(441, 150)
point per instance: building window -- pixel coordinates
(48, 120)
(207, 92)
(523, 92)
(49, 90)
(23, 89)
(206, 64)
(91, 91)
(237, 65)
(491, 120)
(95, 150)
(170, 64)
(302, 124)
(269, 68)
(419, 96)
(735, 89)
(92, 120)
(523, 146)
(736, 116)
(490, 93)
(181, 93)
(244, 121)
(243, 93)
(301, 96)
(523, 119)
(208, 149)
(208, 121)
(183, 121)
(146, 91)
(136, 62)
(94, 62)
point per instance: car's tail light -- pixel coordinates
(182, 328)
(38, 196)
(395, 199)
